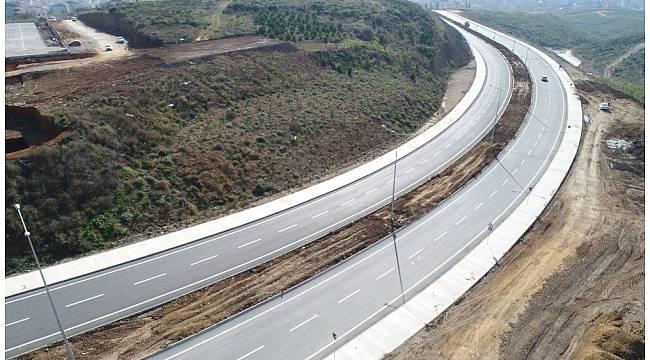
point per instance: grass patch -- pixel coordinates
(156, 146)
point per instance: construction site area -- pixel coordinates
(571, 288)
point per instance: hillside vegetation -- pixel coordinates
(154, 146)
(597, 38)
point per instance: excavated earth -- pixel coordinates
(573, 287)
(143, 334)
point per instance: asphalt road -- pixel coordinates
(350, 297)
(100, 298)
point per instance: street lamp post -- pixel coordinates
(392, 213)
(496, 113)
(68, 348)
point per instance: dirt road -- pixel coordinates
(609, 69)
(573, 286)
(98, 39)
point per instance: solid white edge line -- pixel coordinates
(489, 125)
(397, 298)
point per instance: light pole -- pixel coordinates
(496, 112)
(392, 213)
(68, 348)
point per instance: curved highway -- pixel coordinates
(350, 297)
(105, 296)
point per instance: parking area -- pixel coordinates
(23, 39)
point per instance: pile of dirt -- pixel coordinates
(186, 315)
(573, 287)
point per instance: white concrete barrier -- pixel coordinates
(92, 263)
(391, 331)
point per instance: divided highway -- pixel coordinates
(350, 297)
(105, 296)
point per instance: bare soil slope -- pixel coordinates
(573, 286)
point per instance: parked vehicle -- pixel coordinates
(605, 106)
(74, 43)
(73, 18)
(52, 18)
(120, 40)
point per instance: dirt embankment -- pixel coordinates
(26, 129)
(573, 287)
(154, 329)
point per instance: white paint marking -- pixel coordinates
(447, 145)
(515, 171)
(371, 191)
(16, 322)
(151, 278)
(505, 182)
(303, 323)
(424, 162)
(384, 274)
(349, 296)
(415, 254)
(535, 144)
(409, 170)
(440, 236)
(522, 161)
(437, 153)
(466, 129)
(529, 152)
(250, 353)
(478, 206)
(287, 228)
(347, 202)
(493, 192)
(84, 300)
(206, 259)
(317, 215)
(461, 220)
(252, 242)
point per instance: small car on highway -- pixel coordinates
(108, 48)
(120, 40)
(544, 78)
(73, 18)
